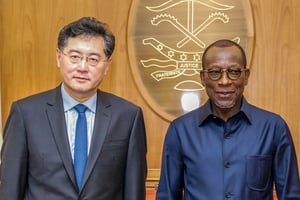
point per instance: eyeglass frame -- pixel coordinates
(240, 70)
(81, 57)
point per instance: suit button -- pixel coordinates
(228, 195)
(227, 164)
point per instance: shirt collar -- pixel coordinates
(70, 102)
(206, 113)
(246, 108)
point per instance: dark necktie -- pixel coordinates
(80, 150)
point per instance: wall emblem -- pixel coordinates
(166, 39)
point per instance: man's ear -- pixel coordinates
(58, 57)
(107, 65)
(202, 78)
(247, 74)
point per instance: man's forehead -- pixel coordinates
(231, 52)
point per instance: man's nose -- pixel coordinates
(224, 78)
(83, 63)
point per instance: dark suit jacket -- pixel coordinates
(36, 160)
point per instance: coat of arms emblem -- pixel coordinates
(166, 39)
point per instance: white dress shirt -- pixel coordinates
(71, 116)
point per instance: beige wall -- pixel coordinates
(28, 32)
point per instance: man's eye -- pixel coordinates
(234, 71)
(75, 57)
(214, 71)
(93, 59)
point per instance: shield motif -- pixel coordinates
(166, 39)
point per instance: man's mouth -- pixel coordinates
(225, 94)
(81, 78)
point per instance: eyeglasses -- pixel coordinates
(76, 57)
(216, 73)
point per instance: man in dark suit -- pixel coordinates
(40, 147)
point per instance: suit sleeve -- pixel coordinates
(13, 170)
(136, 167)
(171, 176)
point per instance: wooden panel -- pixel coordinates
(28, 32)
(275, 72)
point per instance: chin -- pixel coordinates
(225, 105)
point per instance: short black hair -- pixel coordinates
(222, 44)
(87, 26)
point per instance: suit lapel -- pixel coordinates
(102, 121)
(56, 117)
